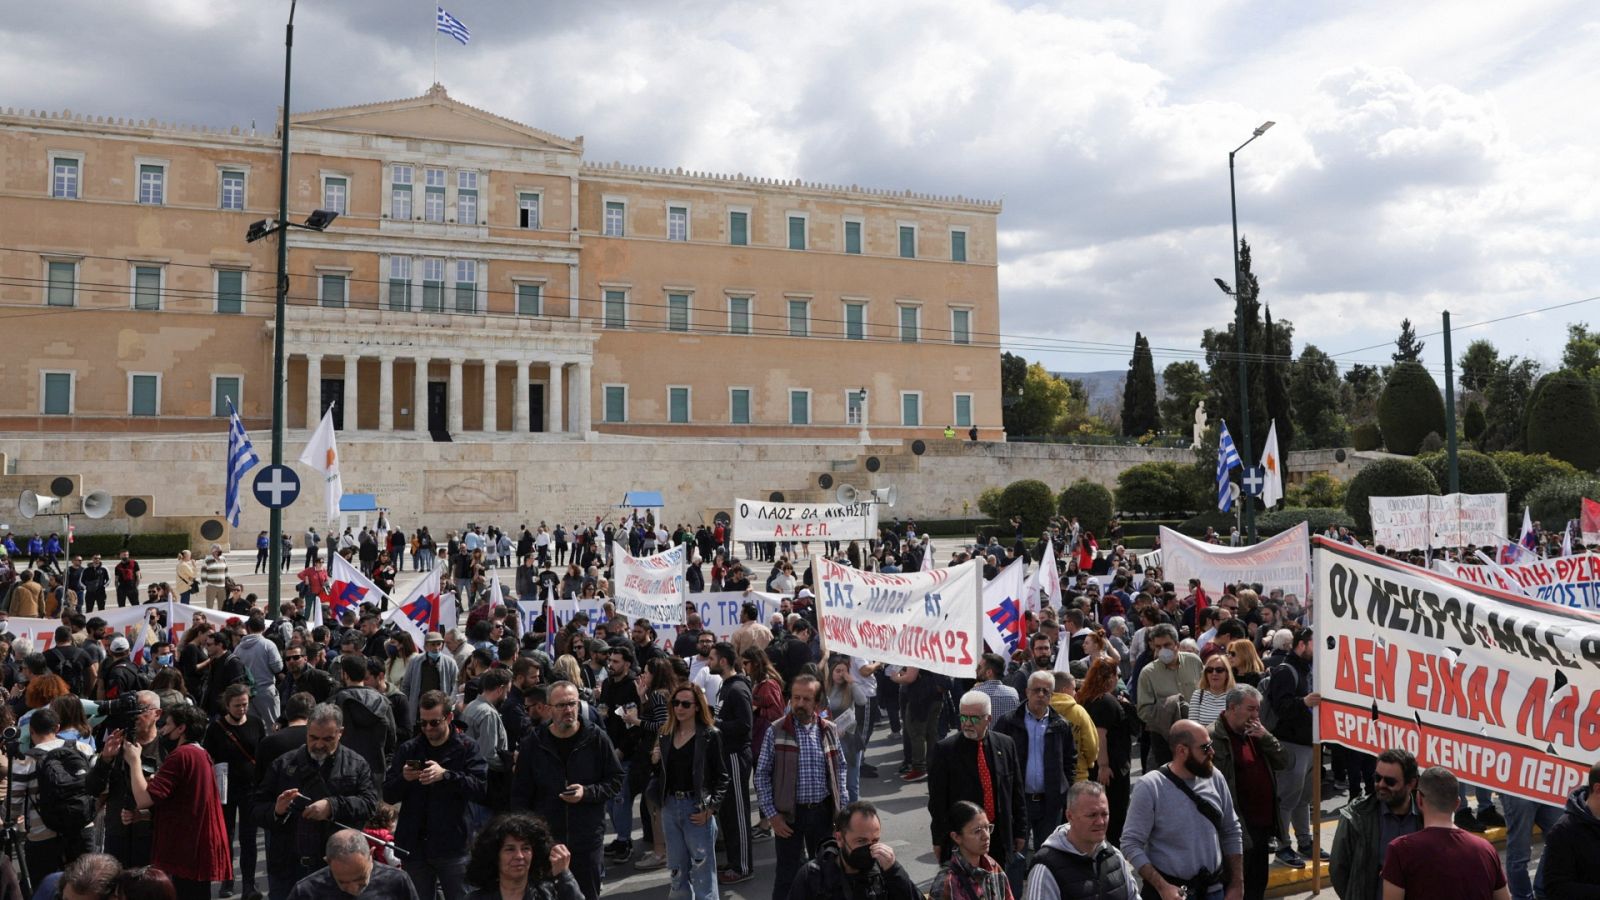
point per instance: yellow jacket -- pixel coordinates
(1084, 734)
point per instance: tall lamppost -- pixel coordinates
(1238, 327)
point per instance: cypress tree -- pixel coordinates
(1140, 413)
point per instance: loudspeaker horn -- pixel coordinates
(884, 495)
(31, 505)
(847, 494)
(97, 505)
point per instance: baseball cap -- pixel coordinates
(119, 644)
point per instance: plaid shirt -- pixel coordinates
(812, 775)
(1002, 697)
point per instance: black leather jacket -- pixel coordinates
(710, 765)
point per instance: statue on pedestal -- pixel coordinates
(1199, 426)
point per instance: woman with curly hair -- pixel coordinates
(514, 858)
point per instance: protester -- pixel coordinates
(1085, 736)
(1571, 860)
(351, 872)
(1442, 861)
(1249, 758)
(234, 741)
(369, 727)
(1045, 745)
(515, 856)
(1292, 700)
(58, 819)
(1171, 677)
(970, 872)
(736, 722)
(189, 838)
(690, 767)
(800, 781)
(980, 765)
(127, 828)
(1182, 832)
(1076, 862)
(853, 863)
(1369, 825)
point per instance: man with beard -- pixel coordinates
(982, 766)
(301, 674)
(1041, 658)
(1182, 832)
(127, 830)
(222, 669)
(800, 781)
(854, 863)
(1367, 825)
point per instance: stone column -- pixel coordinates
(519, 407)
(552, 401)
(386, 392)
(455, 396)
(581, 402)
(313, 389)
(352, 392)
(419, 395)
(491, 399)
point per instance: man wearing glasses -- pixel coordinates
(1367, 825)
(435, 777)
(982, 766)
(127, 829)
(1182, 835)
(1048, 752)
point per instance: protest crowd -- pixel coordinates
(1131, 736)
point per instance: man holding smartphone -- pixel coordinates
(1249, 758)
(435, 778)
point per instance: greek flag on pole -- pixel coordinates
(241, 459)
(1227, 460)
(452, 26)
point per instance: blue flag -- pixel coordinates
(1227, 460)
(448, 24)
(241, 459)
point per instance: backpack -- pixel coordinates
(1269, 713)
(1168, 712)
(65, 804)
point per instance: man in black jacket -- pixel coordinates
(735, 719)
(222, 669)
(129, 843)
(435, 777)
(1046, 766)
(1571, 862)
(339, 786)
(301, 673)
(368, 717)
(566, 773)
(1289, 694)
(962, 763)
(617, 693)
(856, 863)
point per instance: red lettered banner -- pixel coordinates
(1501, 689)
(924, 619)
(758, 521)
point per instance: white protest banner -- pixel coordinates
(1283, 562)
(719, 612)
(1004, 607)
(1427, 520)
(650, 587)
(759, 521)
(126, 620)
(1569, 580)
(1499, 688)
(929, 620)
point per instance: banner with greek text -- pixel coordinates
(1567, 580)
(126, 620)
(719, 612)
(1283, 561)
(757, 521)
(650, 587)
(930, 620)
(1428, 520)
(1499, 688)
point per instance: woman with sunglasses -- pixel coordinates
(688, 765)
(1245, 662)
(1216, 680)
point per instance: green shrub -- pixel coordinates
(154, 544)
(953, 527)
(1559, 499)
(1478, 472)
(1030, 500)
(1366, 436)
(1386, 478)
(1319, 518)
(1318, 490)
(1473, 421)
(1409, 407)
(1431, 444)
(1152, 487)
(1526, 471)
(989, 502)
(1087, 500)
(1564, 420)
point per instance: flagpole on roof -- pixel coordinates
(435, 47)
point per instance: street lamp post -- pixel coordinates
(1238, 312)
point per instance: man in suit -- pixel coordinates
(982, 766)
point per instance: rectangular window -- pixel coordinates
(739, 229)
(433, 285)
(799, 407)
(738, 315)
(57, 393)
(677, 223)
(152, 184)
(230, 291)
(466, 286)
(964, 410)
(739, 406)
(799, 314)
(678, 405)
(616, 311)
(64, 178)
(852, 237)
(910, 409)
(400, 178)
(528, 211)
(433, 195)
(333, 291)
(232, 189)
(855, 321)
(335, 195)
(908, 242)
(908, 324)
(146, 287)
(960, 326)
(467, 198)
(223, 389)
(400, 283)
(797, 232)
(616, 404)
(852, 407)
(144, 395)
(958, 246)
(63, 284)
(528, 299)
(677, 312)
(613, 223)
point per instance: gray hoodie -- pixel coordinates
(1042, 885)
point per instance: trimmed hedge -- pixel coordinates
(1560, 499)
(1392, 477)
(1409, 408)
(1089, 501)
(1319, 518)
(954, 527)
(1478, 471)
(1152, 487)
(1526, 471)
(155, 544)
(1212, 518)
(1030, 500)
(989, 502)
(1564, 420)
(1366, 436)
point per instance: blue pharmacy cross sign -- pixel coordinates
(1254, 480)
(276, 486)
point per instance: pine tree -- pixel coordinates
(1406, 347)
(1139, 411)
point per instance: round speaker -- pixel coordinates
(722, 519)
(918, 447)
(775, 497)
(825, 481)
(61, 486)
(1338, 455)
(873, 464)
(134, 507)
(211, 529)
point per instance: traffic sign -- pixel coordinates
(1255, 479)
(276, 487)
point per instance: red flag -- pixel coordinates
(1589, 526)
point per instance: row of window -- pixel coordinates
(150, 183)
(58, 393)
(614, 224)
(680, 406)
(797, 320)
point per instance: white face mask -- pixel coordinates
(1167, 654)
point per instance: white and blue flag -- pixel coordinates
(452, 26)
(241, 459)
(1227, 460)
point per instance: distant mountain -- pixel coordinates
(1105, 387)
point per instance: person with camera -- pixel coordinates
(435, 778)
(127, 828)
(189, 840)
(234, 740)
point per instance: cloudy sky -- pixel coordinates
(1427, 156)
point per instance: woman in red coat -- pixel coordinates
(189, 840)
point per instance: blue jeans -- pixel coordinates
(621, 809)
(1521, 816)
(852, 765)
(691, 851)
